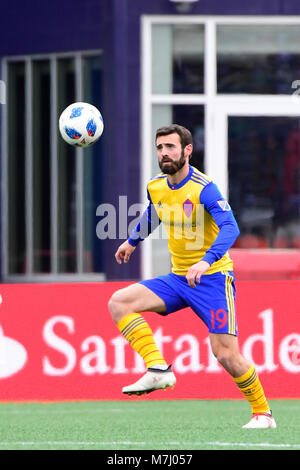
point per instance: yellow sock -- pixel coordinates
(139, 334)
(252, 390)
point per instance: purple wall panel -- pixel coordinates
(49, 26)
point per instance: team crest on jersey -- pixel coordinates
(224, 205)
(188, 207)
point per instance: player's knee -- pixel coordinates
(223, 356)
(229, 360)
(117, 306)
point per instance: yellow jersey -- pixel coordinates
(194, 214)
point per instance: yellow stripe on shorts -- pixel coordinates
(230, 303)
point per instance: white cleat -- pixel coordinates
(154, 379)
(261, 421)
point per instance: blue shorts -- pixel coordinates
(213, 300)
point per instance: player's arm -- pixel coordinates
(195, 272)
(222, 214)
(218, 207)
(148, 222)
(124, 252)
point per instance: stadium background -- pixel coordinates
(229, 72)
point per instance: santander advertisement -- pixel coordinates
(58, 342)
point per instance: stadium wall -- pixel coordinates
(114, 27)
(58, 342)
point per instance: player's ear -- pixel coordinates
(188, 149)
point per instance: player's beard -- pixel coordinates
(170, 167)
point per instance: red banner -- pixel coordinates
(58, 342)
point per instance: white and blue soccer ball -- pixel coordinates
(81, 124)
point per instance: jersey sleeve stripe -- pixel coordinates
(200, 178)
(198, 181)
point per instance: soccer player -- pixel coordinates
(201, 228)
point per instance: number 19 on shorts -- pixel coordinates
(219, 319)
(223, 321)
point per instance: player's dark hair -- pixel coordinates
(184, 134)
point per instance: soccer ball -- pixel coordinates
(81, 124)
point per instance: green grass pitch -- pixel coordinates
(145, 424)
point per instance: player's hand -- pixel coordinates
(124, 252)
(195, 272)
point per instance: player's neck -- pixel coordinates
(179, 175)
